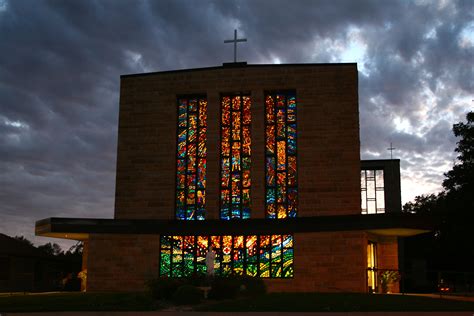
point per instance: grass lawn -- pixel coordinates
(337, 302)
(75, 301)
(294, 302)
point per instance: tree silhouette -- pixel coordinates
(449, 247)
(458, 194)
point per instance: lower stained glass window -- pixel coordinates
(266, 256)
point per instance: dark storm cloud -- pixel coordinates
(61, 62)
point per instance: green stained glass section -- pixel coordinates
(165, 263)
(265, 256)
(287, 263)
(264, 264)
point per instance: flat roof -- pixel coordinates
(390, 224)
(240, 65)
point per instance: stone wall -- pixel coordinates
(121, 262)
(328, 136)
(328, 169)
(326, 262)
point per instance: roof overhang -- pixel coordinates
(381, 224)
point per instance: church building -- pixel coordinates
(259, 162)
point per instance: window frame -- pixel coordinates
(189, 97)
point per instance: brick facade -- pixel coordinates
(328, 169)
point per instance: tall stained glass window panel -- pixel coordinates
(191, 158)
(372, 191)
(281, 192)
(235, 157)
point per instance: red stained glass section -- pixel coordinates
(235, 156)
(280, 151)
(191, 158)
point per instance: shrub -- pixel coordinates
(164, 287)
(253, 286)
(388, 277)
(224, 287)
(188, 295)
(198, 280)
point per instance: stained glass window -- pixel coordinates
(235, 157)
(191, 158)
(280, 155)
(372, 191)
(266, 256)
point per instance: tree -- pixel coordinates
(459, 182)
(24, 240)
(76, 249)
(51, 249)
(458, 194)
(448, 247)
(424, 204)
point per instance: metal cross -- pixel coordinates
(391, 148)
(235, 41)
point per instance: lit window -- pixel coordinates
(372, 191)
(191, 158)
(372, 267)
(266, 256)
(280, 155)
(235, 157)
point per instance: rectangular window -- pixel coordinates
(372, 191)
(191, 158)
(235, 157)
(281, 192)
(372, 267)
(266, 256)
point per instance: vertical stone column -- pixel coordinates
(213, 154)
(257, 172)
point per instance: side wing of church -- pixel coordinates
(260, 163)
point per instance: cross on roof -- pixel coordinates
(235, 41)
(391, 148)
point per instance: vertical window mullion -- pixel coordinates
(286, 169)
(196, 143)
(241, 152)
(186, 185)
(275, 156)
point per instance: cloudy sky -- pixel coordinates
(61, 61)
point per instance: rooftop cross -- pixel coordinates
(391, 148)
(235, 41)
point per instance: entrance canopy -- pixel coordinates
(402, 225)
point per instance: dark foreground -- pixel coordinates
(275, 302)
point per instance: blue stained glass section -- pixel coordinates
(245, 212)
(235, 211)
(181, 213)
(291, 139)
(287, 241)
(270, 196)
(225, 213)
(201, 214)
